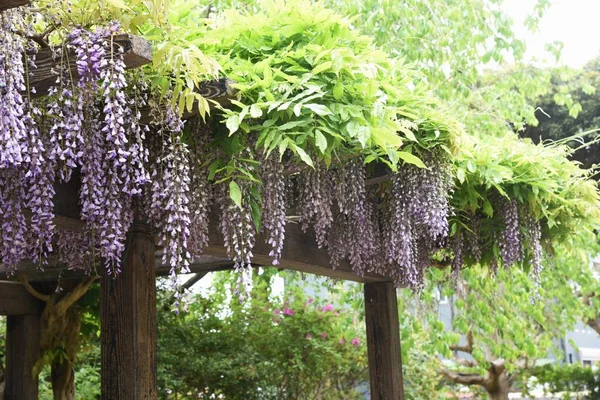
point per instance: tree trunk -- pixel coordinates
(63, 380)
(501, 393)
(498, 386)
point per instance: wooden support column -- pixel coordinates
(383, 341)
(128, 326)
(22, 352)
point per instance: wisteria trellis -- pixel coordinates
(90, 125)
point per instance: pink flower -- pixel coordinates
(308, 336)
(310, 300)
(276, 312)
(355, 342)
(288, 311)
(276, 320)
(343, 340)
(323, 335)
(327, 308)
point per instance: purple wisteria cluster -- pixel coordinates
(510, 243)
(89, 127)
(21, 154)
(534, 236)
(201, 190)
(315, 202)
(239, 236)
(393, 234)
(169, 194)
(273, 206)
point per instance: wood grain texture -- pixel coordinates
(128, 326)
(22, 351)
(14, 300)
(7, 4)
(383, 341)
(137, 51)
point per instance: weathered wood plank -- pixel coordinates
(137, 51)
(14, 300)
(128, 325)
(22, 351)
(7, 4)
(383, 341)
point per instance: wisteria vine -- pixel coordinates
(91, 129)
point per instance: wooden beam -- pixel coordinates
(58, 271)
(137, 51)
(383, 341)
(300, 253)
(128, 325)
(22, 352)
(7, 4)
(14, 300)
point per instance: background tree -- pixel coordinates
(556, 122)
(499, 326)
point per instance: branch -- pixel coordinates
(468, 348)
(463, 379)
(71, 298)
(466, 363)
(193, 280)
(43, 297)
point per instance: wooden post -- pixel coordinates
(128, 325)
(383, 341)
(22, 352)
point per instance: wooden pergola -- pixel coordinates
(128, 302)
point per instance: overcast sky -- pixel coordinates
(574, 22)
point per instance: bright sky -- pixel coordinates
(574, 22)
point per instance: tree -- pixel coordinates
(558, 123)
(499, 325)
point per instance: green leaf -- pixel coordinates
(322, 67)
(301, 153)
(293, 124)
(411, 159)
(338, 90)
(255, 111)
(233, 123)
(235, 193)
(318, 109)
(320, 141)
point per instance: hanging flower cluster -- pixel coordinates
(273, 206)
(89, 126)
(395, 236)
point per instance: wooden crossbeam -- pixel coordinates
(137, 51)
(8, 4)
(57, 271)
(300, 253)
(14, 300)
